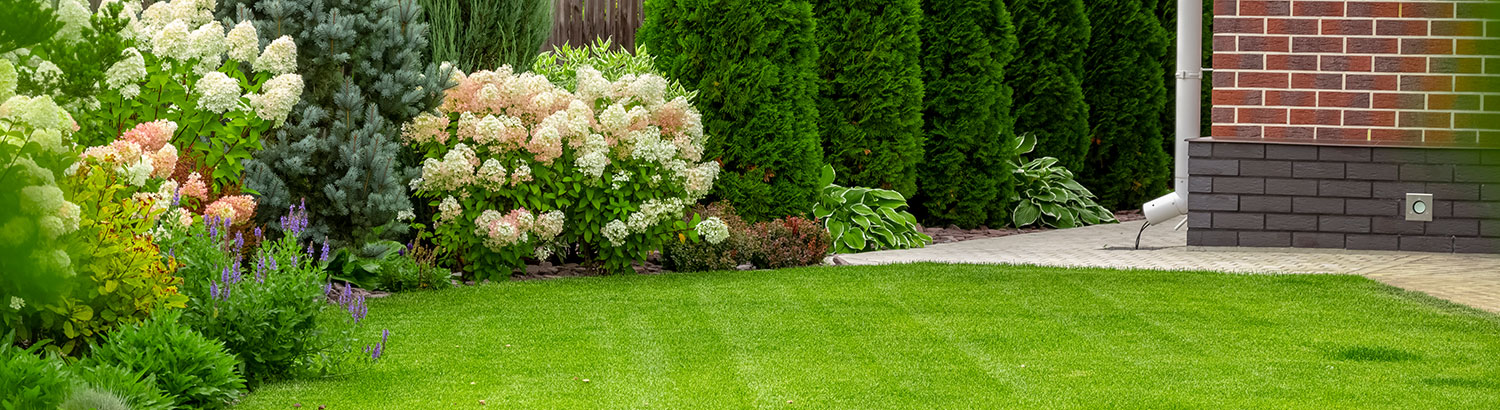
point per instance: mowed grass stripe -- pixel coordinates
(921, 336)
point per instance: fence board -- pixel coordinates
(580, 22)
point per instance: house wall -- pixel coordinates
(1327, 113)
(1404, 72)
(1353, 197)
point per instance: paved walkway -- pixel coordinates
(1473, 280)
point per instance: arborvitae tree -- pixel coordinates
(754, 65)
(366, 73)
(1125, 165)
(966, 47)
(1047, 77)
(870, 93)
(484, 35)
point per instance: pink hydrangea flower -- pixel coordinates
(194, 187)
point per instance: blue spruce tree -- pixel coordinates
(366, 72)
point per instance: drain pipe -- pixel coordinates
(1189, 86)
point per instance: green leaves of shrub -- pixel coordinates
(196, 371)
(1047, 194)
(863, 219)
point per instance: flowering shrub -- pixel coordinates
(270, 314)
(779, 243)
(34, 215)
(184, 66)
(519, 167)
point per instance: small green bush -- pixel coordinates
(682, 255)
(780, 243)
(138, 391)
(193, 370)
(754, 66)
(28, 380)
(870, 91)
(967, 45)
(788, 243)
(1047, 76)
(1046, 193)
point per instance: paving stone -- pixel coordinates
(1317, 240)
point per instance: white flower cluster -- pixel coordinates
(713, 230)
(277, 97)
(127, 74)
(453, 172)
(243, 42)
(217, 92)
(616, 232)
(280, 57)
(655, 211)
(449, 210)
(549, 225)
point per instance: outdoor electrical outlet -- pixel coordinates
(1419, 207)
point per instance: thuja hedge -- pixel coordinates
(966, 47)
(1047, 74)
(870, 91)
(1126, 165)
(754, 65)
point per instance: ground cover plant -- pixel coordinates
(923, 336)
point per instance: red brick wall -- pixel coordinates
(1346, 71)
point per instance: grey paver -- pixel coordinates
(1473, 280)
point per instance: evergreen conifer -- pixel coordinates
(967, 47)
(870, 91)
(366, 73)
(754, 65)
(1047, 77)
(1126, 165)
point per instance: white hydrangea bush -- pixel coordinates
(215, 82)
(518, 167)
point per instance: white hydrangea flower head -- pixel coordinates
(207, 45)
(592, 163)
(280, 57)
(16, 303)
(47, 73)
(243, 42)
(713, 230)
(156, 17)
(8, 80)
(130, 70)
(41, 199)
(549, 225)
(449, 210)
(616, 232)
(650, 89)
(136, 174)
(492, 174)
(278, 96)
(172, 40)
(49, 139)
(592, 85)
(75, 18)
(194, 12)
(217, 92)
(405, 215)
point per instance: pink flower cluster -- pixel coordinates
(500, 231)
(194, 188)
(140, 153)
(237, 208)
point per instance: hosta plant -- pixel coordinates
(866, 219)
(519, 167)
(1046, 193)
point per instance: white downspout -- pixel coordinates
(1189, 86)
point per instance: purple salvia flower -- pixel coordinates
(176, 198)
(310, 250)
(324, 257)
(213, 289)
(273, 264)
(224, 275)
(327, 289)
(347, 296)
(258, 233)
(239, 240)
(384, 335)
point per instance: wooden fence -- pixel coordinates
(580, 22)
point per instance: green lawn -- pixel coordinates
(921, 336)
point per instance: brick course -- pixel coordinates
(1254, 193)
(1355, 70)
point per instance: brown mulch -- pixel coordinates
(952, 233)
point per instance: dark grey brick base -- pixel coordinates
(1350, 197)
